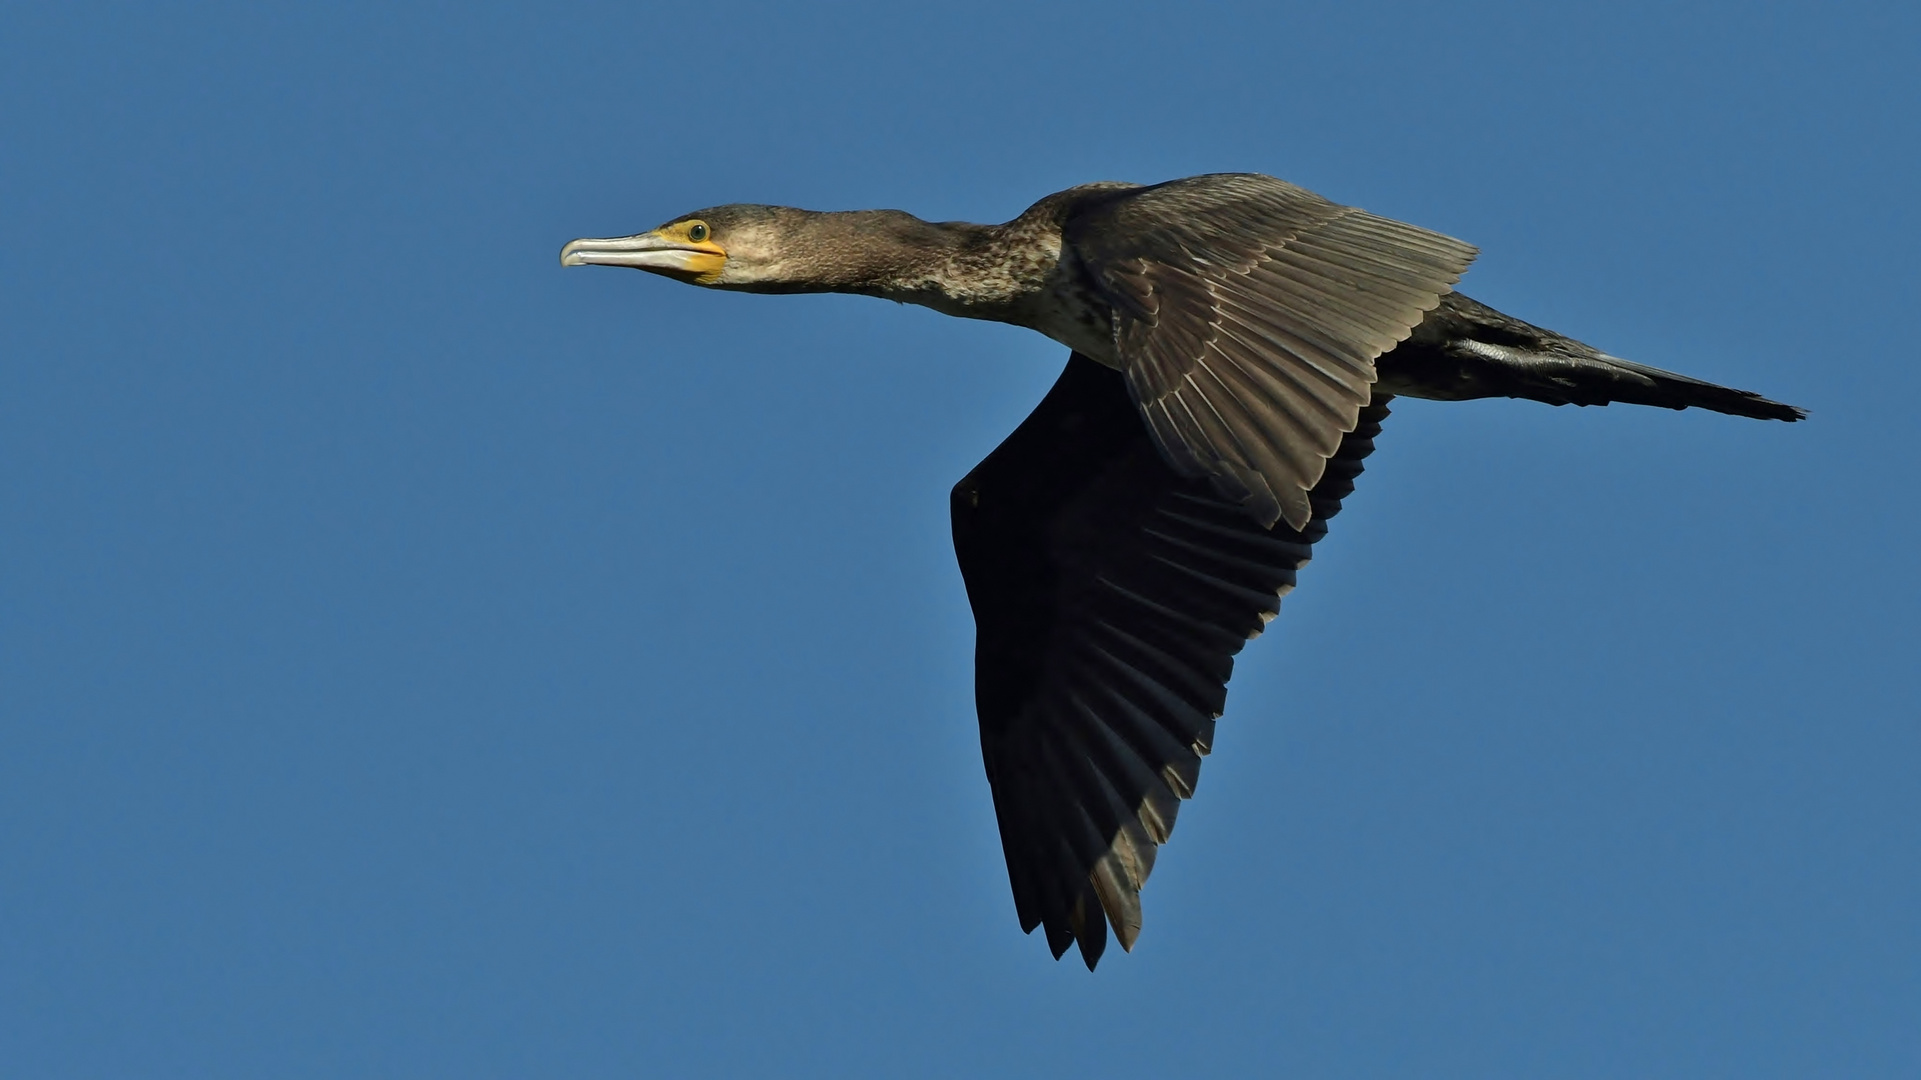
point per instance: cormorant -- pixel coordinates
(1235, 341)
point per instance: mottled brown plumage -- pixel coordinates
(1235, 340)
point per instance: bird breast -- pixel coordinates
(1020, 274)
(1070, 312)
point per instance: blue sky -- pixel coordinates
(416, 660)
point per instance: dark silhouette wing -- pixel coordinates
(1248, 314)
(1110, 596)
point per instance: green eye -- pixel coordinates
(697, 231)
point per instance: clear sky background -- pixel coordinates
(419, 661)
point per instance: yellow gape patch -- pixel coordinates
(701, 258)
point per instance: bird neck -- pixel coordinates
(954, 267)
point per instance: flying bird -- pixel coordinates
(1235, 343)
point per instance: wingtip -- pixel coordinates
(1093, 946)
(1058, 940)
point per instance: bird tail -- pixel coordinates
(1465, 349)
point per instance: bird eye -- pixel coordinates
(697, 231)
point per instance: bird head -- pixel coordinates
(753, 248)
(698, 248)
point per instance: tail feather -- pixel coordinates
(1465, 349)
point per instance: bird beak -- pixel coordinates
(676, 257)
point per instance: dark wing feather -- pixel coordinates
(1249, 313)
(1110, 596)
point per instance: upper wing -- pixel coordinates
(1110, 595)
(1248, 316)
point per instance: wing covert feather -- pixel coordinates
(1249, 313)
